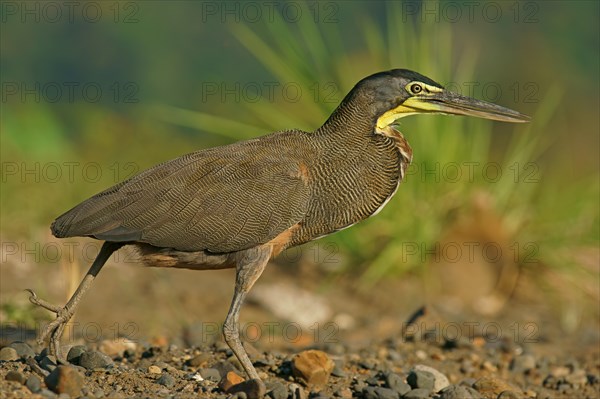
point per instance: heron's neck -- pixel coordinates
(348, 120)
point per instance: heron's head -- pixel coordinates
(399, 92)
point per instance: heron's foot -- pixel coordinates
(54, 329)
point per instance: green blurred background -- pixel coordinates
(95, 92)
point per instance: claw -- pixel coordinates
(33, 298)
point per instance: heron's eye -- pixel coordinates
(415, 88)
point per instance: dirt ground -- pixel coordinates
(171, 319)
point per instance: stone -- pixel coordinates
(166, 380)
(459, 392)
(65, 379)
(490, 387)
(297, 392)
(75, 353)
(254, 389)
(277, 390)
(94, 359)
(23, 350)
(116, 347)
(154, 370)
(420, 380)
(15, 376)
(417, 394)
(48, 363)
(509, 395)
(211, 374)
(229, 380)
(33, 383)
(396, 383)
(440, 381)
(312, 366)
(200, 360)
(523, 363)
(8, 354)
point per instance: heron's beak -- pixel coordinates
(447, 102)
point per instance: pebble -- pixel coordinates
(560, 371)
(396, 383)
(48, 363)
(65, 379)
(523, 363)
(459, 392)
(94, 359)
(15, 376)
(48, 394)
(379, 393)
(277, 390)
(440, 381)
(492, 387)
(75, 353)
(509, 395)
(297, 392)
(211, 374)
(24, 351)
(338, 372)
(577, 378)
(166, 380)
(417, 394)
(313, 366)
(8, 354)
(420, 379)
(345, 393)
(154, 370)
(116, 347)
(229, 381)
(254, 389)
(33, 383)
(200, 360)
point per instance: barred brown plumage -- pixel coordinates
(241, 204)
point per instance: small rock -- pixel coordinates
(94, 359)
(23, 350)
(560, 371)
(523, 363)
(577, 378)
(279, 391)
(229, 380)
(48, 363)
(344, 393)
(338, 371)
(417, 394)
(211, 374)
(396, 383)
(33, 383)
(75, 353)
(509, 395)
(420, 379)
(199, 361)
(8, 354)
(48, 394)
(116, 347)
(459, 392)
(15, 376)
(440, 381)
(490, 387)
(297, 392)
(154, 369)
(65, 379)
(254, 389)
(313, 366)
(166, 380)
(386, 393)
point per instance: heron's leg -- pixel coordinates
(250, 266)
(55, 329)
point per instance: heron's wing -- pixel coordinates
(222, 199)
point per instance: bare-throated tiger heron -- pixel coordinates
(239, 205)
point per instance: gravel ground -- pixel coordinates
(409, 367)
